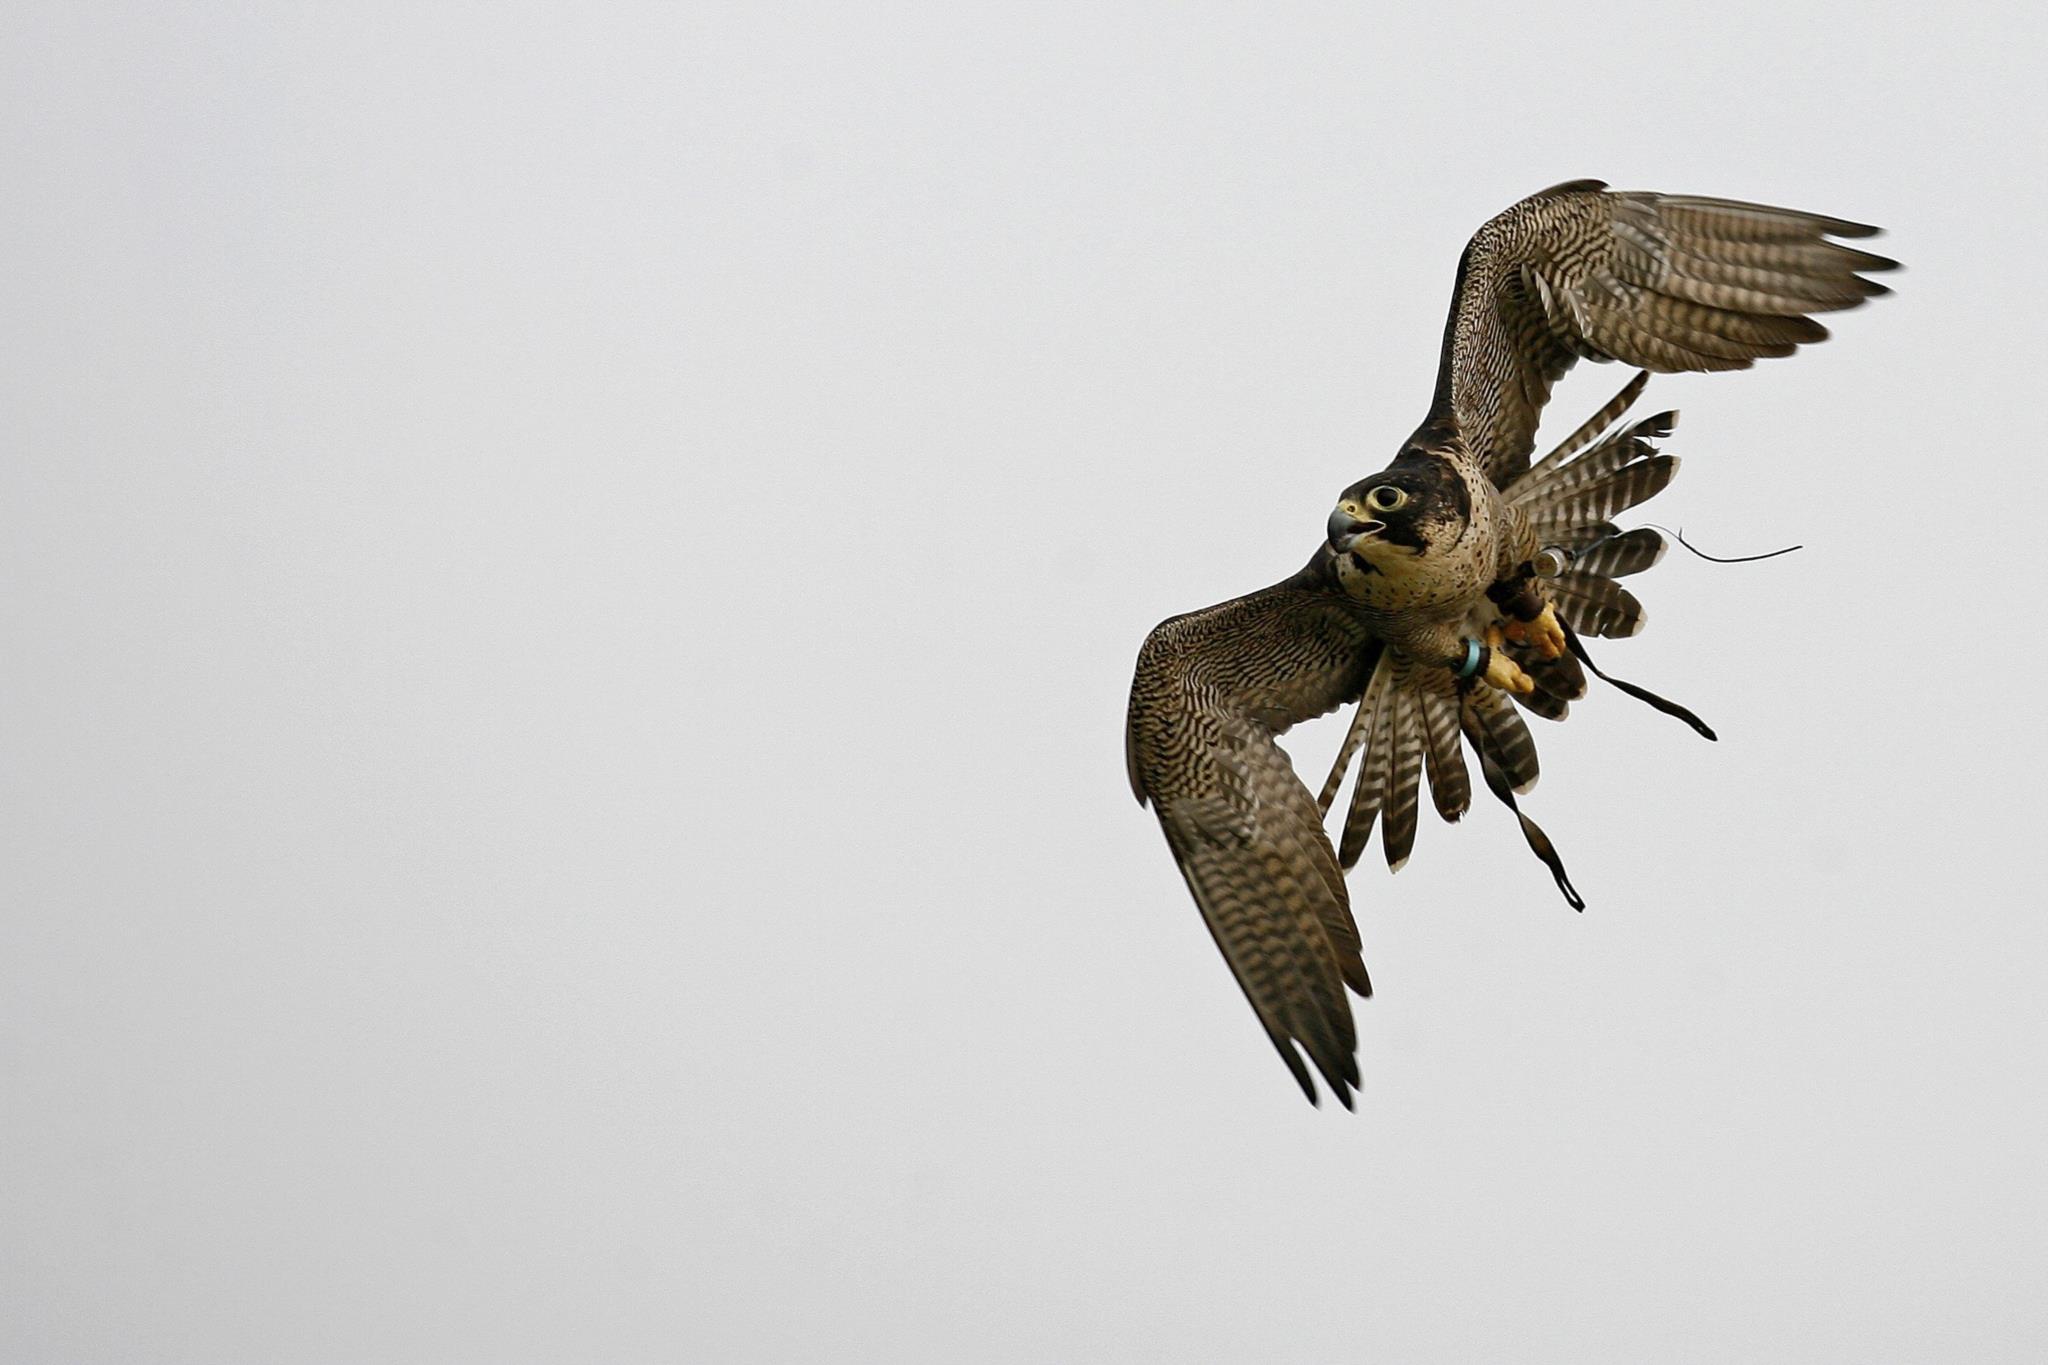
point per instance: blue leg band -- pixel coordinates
(1471, 664)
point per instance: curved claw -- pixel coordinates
(1544, 634)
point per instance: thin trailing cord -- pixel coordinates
(1679, 536)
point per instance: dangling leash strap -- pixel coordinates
(1642, 694)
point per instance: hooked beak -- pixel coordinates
(1349, 525)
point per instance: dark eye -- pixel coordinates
(1387, 498)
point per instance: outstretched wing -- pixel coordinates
(1664, 282)
(1212, 690)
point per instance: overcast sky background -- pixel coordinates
(568, 578)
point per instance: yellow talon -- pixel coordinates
(1502, 672)
(1544, 634)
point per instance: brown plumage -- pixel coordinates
(1666, 283)
(1400, 610)
(1213, 689)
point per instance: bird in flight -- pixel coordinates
(1453, 588)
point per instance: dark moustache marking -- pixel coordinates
(1405, 532)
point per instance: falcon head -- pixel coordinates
(1400, 513)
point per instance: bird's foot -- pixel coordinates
(1544, 634)
(1503, 672)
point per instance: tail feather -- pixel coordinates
(1560, 677)
(1597, 463)
(1413, 720)
(1358, 733)
(1541, 703)
(1404, 773)
(1559, 682)
(1592, 605)
(1375, 770)
(1450, 786)
(1407, 723)
(1622, 555)
(1502, 736)
(1588, 430)
(1569, 501)
(1581, 538)
(1605, 496)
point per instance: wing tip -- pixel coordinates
(1292, 1057)
(1343, 1085)
(1339, 1070)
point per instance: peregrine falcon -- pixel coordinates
(1453, 588)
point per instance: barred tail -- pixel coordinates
(1407, 723)
(1414, 719)
(1569, 497)
(1569, 503)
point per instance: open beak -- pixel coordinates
(1348, 526)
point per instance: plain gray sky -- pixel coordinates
(568, 576)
